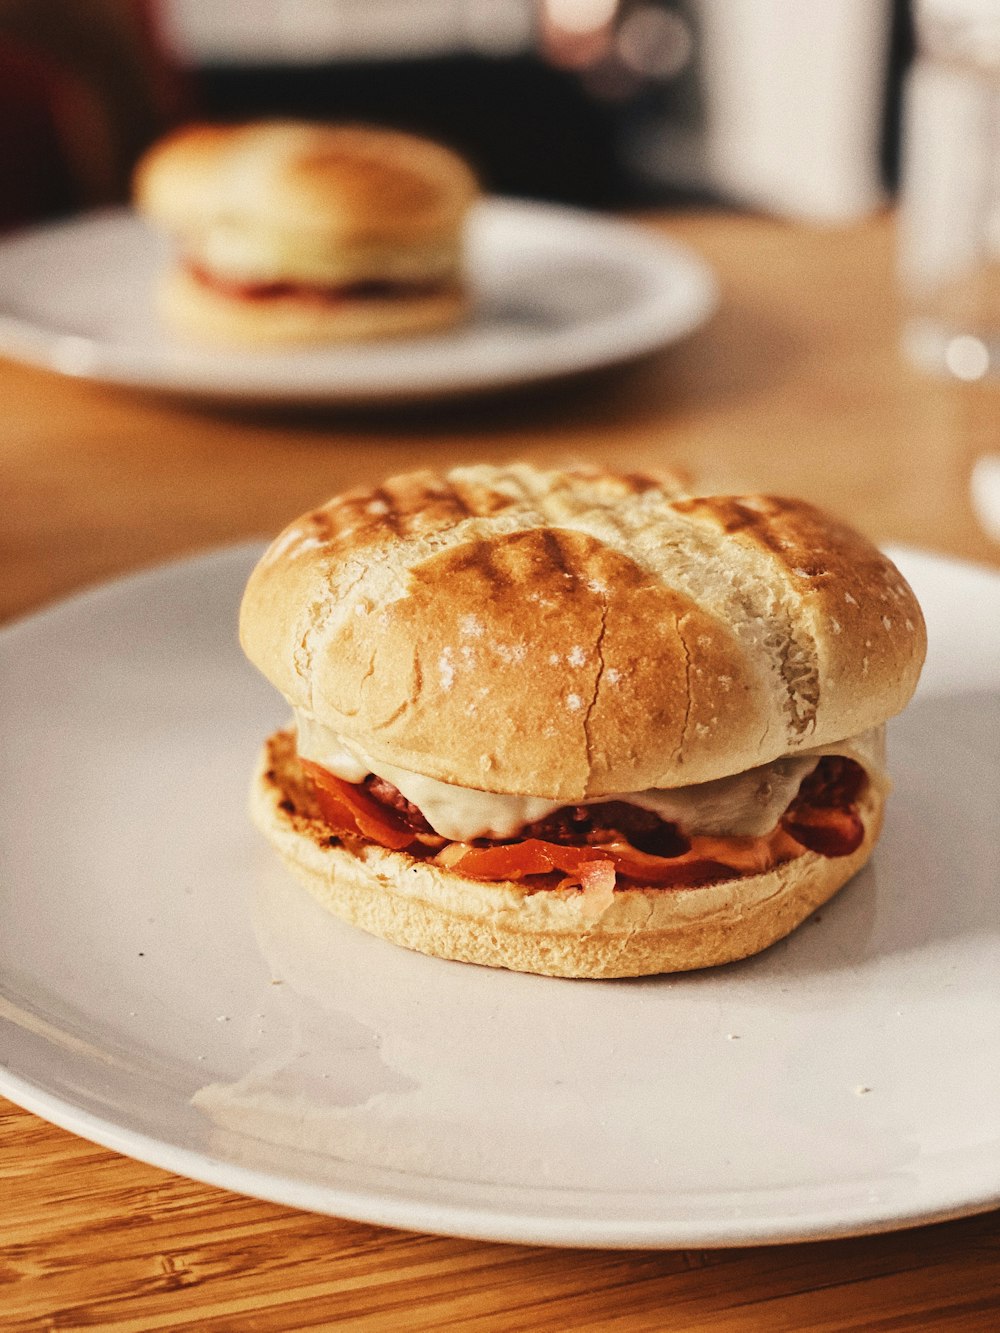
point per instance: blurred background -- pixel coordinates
(786, 107)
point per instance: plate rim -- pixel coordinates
(510, 1226)
(91, 360)
(487, 1222)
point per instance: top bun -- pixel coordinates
(347, 182)
(581, 633)
(240, 193)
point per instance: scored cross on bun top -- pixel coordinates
(579, 633)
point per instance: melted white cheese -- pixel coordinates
(746, 804)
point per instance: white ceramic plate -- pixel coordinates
(556, 291)
(847, 1080)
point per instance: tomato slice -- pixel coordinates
(746, 856)
(514, 860)
(707, 859)
(827, 830)
(347, 806)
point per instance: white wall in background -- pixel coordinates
(300, 31)
(793, 93)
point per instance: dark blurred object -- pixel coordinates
(595, 102)
(762, 103)
(902, 48)
(84, 88)
(528, 129)
(540, 95)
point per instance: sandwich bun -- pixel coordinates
(318, 208)
(576, 636)
(200, 313)
(579, 633)
(338, 184)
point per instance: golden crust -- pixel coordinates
(199, 312)
(866, 625)
(557, 933)
(345, 183)
(570, 634)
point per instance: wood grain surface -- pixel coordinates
(795, 386)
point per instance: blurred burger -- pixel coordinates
(295, 232)
(575, 722)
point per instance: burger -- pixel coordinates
(295, 232)
(576, 722)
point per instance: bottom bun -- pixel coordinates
(194, 310)
(556, 932)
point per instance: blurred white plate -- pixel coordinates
(846, 1080)
(556, 292)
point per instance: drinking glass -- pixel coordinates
(949, 238)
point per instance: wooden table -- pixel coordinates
(795, 386)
